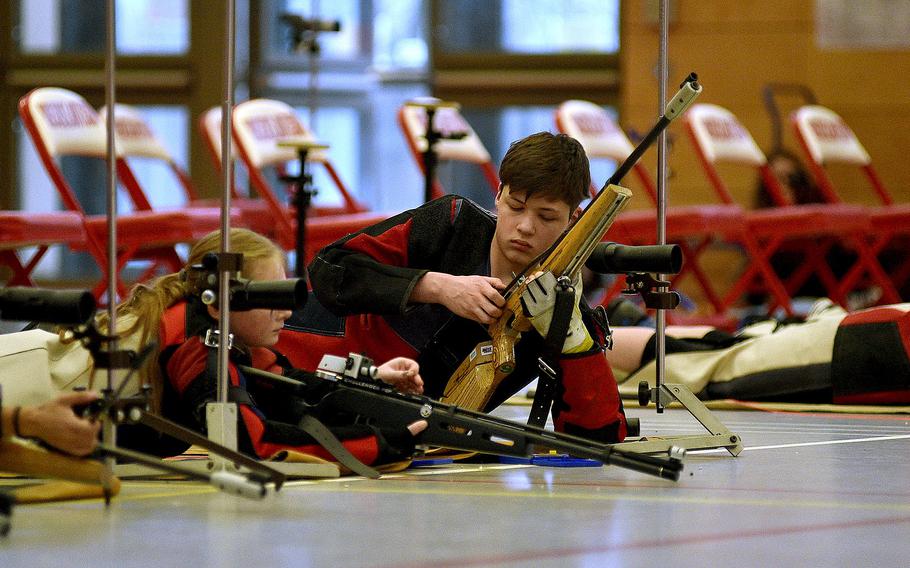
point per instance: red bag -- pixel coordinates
(871, 359)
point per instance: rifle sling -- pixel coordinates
(316, 429)
(548, 362)
(327, 440)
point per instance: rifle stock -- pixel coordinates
(28, 460)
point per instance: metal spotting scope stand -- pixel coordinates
(719, 436)
(115, 409)
(304, 192)
(662, 394)
(656, 296)
(433, 136)
(304, 38)
(222, 416)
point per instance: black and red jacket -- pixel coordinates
(267, 419)
(363, 281)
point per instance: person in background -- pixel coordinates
(799, 189)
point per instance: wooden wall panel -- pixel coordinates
(737, 48)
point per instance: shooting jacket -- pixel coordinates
(362, 284)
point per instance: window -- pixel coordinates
(544, 27)
(144, 27)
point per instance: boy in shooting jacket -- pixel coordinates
(427, 282)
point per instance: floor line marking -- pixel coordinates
(806, 444)
(564, 554)
(620, 496)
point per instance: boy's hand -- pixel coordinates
(477, 298)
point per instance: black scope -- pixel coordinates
(614, 258)
(65, 307)
(290, 294)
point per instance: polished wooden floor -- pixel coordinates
(808, 490)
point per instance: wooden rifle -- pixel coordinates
(354, 390)
(95, 480)
(480, 373)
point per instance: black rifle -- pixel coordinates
(448, 426)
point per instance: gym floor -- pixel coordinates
(809, 489)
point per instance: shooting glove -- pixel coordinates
(539, 300)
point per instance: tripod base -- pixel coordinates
(221, 421)
(719, 436)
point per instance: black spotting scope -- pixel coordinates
(290, 294)
(300, 24)
(614, 258)
(65, 307)
(202, 280)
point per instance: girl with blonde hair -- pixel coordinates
(167, 311)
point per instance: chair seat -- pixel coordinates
(809, 220)
(323, 231)
(890, 218)
(20, 229)
(152, 229)
(200, 220)
(682, 222)
(254, 213)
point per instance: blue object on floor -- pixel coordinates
(431, 461)
(552, 460)
(563, 460)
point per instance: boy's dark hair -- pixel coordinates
(550, 165)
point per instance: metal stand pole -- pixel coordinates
(109, 429)
(433, 136)
(660, 338)
(221, 416)
(662, 394)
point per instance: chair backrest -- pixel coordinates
(719, 137)
(447, 120)
(62, 123)
(210, 129)
(259, 125)
(826, 139)
(136, 139)
(600, 136)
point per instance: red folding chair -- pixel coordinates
(21, 230)
(693, 228)
(459, 142)
(258, 127)
(719, 137)
(254, 212)
(136, 141)
(826, 139)
(61, 123)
